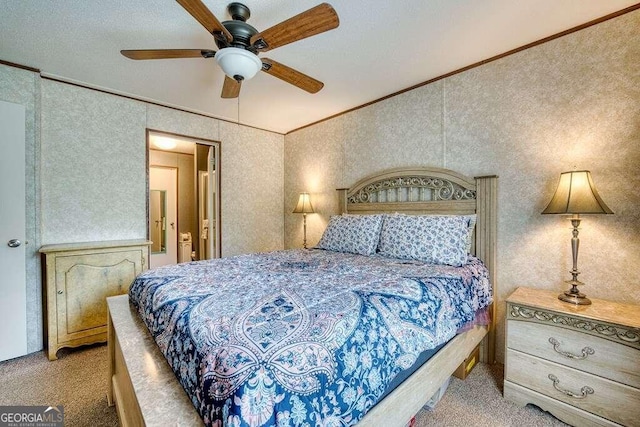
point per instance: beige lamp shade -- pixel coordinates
(576, 194)
(304, 204)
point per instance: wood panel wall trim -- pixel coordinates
(477, 64)
(22, 67)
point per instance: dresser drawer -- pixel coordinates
(608, 399)
(608, 359)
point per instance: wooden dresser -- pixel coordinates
(581, 363)
(78, 279)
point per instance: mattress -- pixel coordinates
(301, 336)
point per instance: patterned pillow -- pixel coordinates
(358, 234)
(436, 239)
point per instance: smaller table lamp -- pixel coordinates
(576, 194)
(304, 207)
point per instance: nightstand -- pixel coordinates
(581, 363)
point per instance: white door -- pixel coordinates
(13, 288)
(164, 180)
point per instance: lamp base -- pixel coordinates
(580, 299)
(573, 295)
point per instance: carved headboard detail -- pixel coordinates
(411, 190)
(411, 186)
(435, 191)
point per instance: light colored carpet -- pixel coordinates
(477, 401)
(78, 380)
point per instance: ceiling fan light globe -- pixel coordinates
(235, 62)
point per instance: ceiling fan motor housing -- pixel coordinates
(239, 29)
(241, 32)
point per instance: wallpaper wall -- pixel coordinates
(86, 172)
(93, 165)
(570, 103)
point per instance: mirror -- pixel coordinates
(158, 221)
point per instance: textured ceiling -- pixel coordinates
(379, 48)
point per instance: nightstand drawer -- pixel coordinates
(595, 355)
(608, 399)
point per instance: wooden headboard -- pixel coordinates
(421, 190)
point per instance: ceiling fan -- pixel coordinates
(240, 43)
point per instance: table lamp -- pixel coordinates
(304, 207)
(576, 195)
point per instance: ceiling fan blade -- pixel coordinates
(230, 88)
(314, 21)
(291, 76)
(199, 11)
(168, 53)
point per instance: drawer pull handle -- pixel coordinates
(585, 351)
(584, 391)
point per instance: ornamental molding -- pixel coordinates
(442, 189)
(616, 333)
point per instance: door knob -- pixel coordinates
(14, 243)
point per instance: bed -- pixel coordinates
(146, 392)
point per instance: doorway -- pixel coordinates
(183, 202)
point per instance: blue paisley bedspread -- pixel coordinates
(301, 338)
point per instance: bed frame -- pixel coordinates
(146, 392)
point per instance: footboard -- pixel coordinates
(146, 392)
(141, 385)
